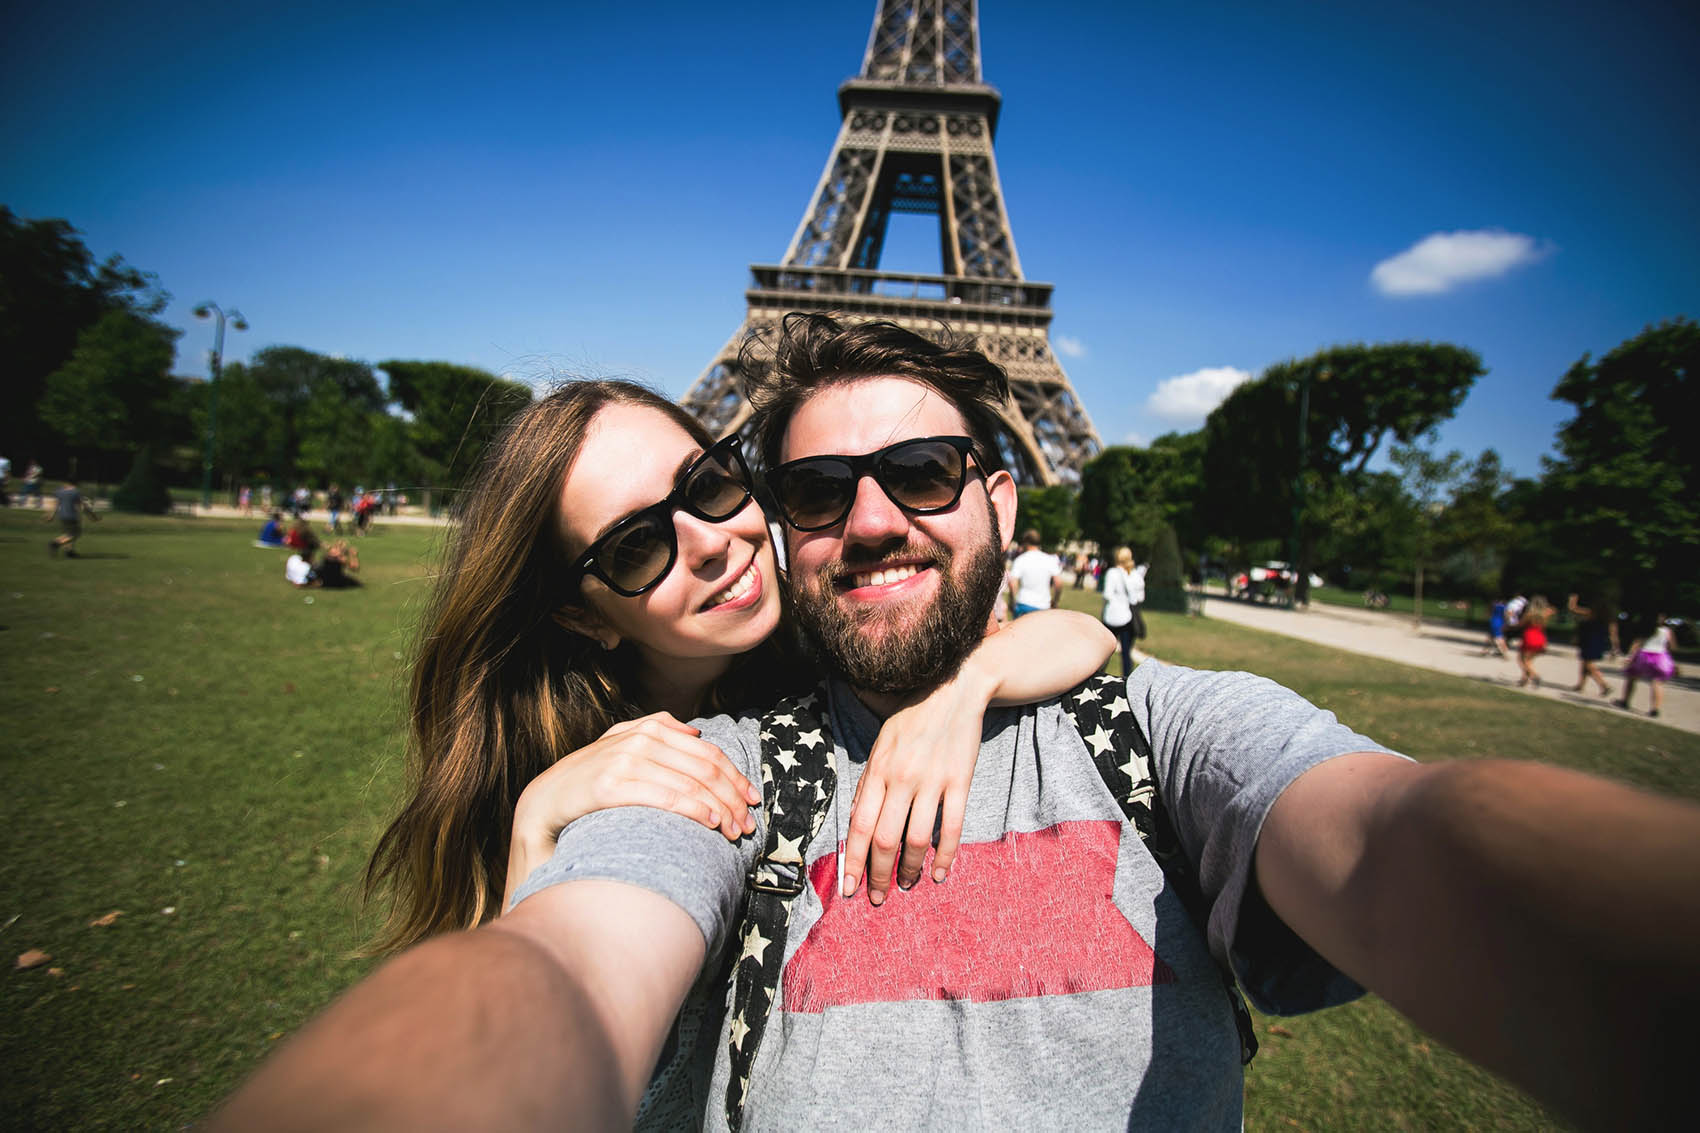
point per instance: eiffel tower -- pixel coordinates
(917, 139)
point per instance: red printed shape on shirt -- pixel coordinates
(1027, 915)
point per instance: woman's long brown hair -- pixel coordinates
(499, 689)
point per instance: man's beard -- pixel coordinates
(873, 648)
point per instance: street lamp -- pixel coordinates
(236, 320)
(1301, 571)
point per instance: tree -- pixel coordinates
(51, 291)
(1264, 479)
(318, 411)
(1427, 479)
(115, 391)
(1626, 485)
(1049, 511)
(1128, 495)
(456, 410)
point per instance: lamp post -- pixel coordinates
(217, 365)
(1301, 571)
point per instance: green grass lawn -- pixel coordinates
(195, 745)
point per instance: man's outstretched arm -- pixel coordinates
(1543, 922)
(551, 1017)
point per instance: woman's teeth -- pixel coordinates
(884, 577)
(738, 589)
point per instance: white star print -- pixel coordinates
(788, 851)
(755, 944)
(1100, 741)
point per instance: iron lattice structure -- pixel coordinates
(917, 138)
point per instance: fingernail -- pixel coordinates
(850, 884)
(876, 896)
(939, 875)
(753, 795)
(906, 886)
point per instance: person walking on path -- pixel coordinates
(1650, 660)
(1118, 611)
(1496, 631)
(69, 505)
(32, 484)
(1596, 632)
(1035, 578)
(1534, 643)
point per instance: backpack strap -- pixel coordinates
(798, 780)
(1122, 754)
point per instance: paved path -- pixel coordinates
(1447, 648)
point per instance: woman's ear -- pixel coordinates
(586, 622)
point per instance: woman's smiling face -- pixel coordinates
(721, 596)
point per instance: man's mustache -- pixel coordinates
(857, 559)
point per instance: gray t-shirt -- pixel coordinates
(1054, 981)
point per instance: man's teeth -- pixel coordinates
(884, 577)
(738, 589)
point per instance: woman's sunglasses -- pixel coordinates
(922, 476)
(636, 553)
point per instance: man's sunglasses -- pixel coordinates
(922, 476)
(636, 553)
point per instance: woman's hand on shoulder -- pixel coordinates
(921, 763)
(924, 758)
(654, 761)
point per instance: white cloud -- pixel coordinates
(1188, 399)
(1442, 260)
(1137, 440)
(1070, 347)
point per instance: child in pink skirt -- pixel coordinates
(1650, 660)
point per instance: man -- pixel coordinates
(69, 507)
(1035, 578)
(1539, 920)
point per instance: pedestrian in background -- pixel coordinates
(1596, 632)
(1118, 605)
(1650, 660)
(1534, 626)
(69, 507)
(1035, 577)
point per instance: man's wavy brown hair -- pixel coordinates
(812, 351)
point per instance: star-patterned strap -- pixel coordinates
(1122, 755)
(798, 779)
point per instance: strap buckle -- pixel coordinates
(782, 878)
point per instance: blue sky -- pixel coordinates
(565, 189)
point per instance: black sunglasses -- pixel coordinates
(636, 553)
(922, 475)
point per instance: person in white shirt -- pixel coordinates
(1035, 578)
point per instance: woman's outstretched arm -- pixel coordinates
(924, 757)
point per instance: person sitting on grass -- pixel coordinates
(299, 571)
(301, 539)
(69, 507)
(337, 568)
(271, 535)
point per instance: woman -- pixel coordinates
(577, 621)
(1650, 660)
(1118, 605)
(1534, 625)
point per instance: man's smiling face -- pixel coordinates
(894, 600)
